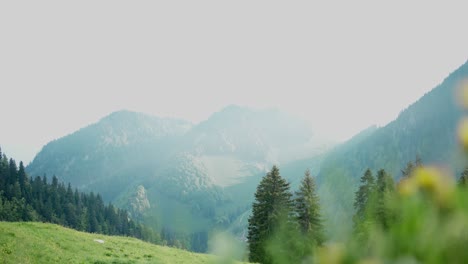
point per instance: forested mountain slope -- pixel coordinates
(173, 174)
(427, 128)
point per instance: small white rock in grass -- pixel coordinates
(100, 241)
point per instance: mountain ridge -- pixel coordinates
(183, 168)
(201, 170)
(426, 129)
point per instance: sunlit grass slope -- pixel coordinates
(28, 242)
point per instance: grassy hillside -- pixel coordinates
(28, 242)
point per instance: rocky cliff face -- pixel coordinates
(139, 203)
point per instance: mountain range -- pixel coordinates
(174, 174)
(195, 177)
(427, 130)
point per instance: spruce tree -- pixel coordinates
(363, 196)
(22, 177)
(307, 208)
(385, 189)
(365, 206)
(3, 172)
(272, 203)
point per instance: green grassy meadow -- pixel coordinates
(29, 242)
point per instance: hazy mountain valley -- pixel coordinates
(175, 183)
(186, 180)
(233, 132)
(181, 176)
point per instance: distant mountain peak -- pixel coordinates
(233, 107)
(232, 110)
(127, 114)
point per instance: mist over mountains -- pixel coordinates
(179, 169)
(427, 129)
(241, 139)
(195, 177)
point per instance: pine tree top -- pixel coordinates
(368, 177)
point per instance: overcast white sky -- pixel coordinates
(343, 65)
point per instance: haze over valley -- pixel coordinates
(181, 170)
(249, 132)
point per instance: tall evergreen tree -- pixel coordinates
(22, 177)
(11, 179)
(363, 196)
(385, 189)
(365, 206)
(13, 171)
(3, 172)
(307, 208)
(272, 203)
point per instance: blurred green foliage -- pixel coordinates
(421, 219)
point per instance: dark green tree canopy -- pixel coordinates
(384, 191)
(307, 209)
(26, 199)
(363, 195)
(272, 204)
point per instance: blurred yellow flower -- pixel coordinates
(407, 187)
(463, 132)
(427, 178)
(435, 182)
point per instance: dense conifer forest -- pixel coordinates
(23, 198)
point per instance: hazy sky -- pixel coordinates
(343, 65)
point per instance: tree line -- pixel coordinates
(283, 225)
(23, 198)
(390, 217)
